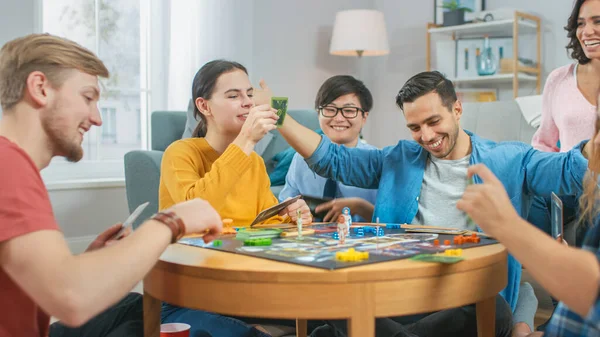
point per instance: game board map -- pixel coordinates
(319, 250)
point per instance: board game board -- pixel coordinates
(318, 249)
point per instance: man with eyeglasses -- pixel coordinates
(343, 104)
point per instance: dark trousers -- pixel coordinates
(124, 319)
(459, 322)
(208, 324)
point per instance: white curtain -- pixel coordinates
(201, 31)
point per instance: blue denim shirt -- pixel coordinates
(300, 179)
(397, 171)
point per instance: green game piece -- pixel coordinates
(280, 103)
(217, 243)
(258, 242)
(251, 233)
(437, 258)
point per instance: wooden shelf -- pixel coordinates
(500, 28)
(520, 24)
(500, 78)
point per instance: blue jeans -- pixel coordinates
(207, 324)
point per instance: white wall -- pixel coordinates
(406, 33)
(86, 211)
(291, 47)
(17, 18)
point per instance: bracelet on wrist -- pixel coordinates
(171, 220)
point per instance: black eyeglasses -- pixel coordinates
(331, 111)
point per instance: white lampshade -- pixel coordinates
(359, 32)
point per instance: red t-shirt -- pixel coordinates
(24, 208)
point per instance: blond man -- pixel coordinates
(49, 93)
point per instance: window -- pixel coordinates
(109, 126)
(117, 31)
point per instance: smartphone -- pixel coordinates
(556, 217)
(128, 223)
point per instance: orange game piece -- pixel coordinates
(446, 242)
(477, 240)
(458, 240)
(473, 235)
(436, 242)
(228, 230)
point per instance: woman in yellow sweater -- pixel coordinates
(220, 166)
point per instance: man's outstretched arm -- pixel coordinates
(304, 140)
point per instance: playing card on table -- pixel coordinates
(280, 103)
(437, 258)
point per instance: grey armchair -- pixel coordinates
(142, 168)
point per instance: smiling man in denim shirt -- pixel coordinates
(430, 173)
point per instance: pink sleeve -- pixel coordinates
(546, 136)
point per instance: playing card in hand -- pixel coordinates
(280, 103)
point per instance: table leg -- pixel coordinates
(486, 317)
(152, 308)
(361, 326)
(301, 330)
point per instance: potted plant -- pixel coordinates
(455, 13)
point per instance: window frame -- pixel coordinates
(99, 171)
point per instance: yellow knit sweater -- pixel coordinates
(235, 184)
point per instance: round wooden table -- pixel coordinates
(233, 284)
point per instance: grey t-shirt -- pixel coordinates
(444, 183)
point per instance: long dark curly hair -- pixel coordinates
(571, 28)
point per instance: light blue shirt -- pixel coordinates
(300, 179)
(397, 171)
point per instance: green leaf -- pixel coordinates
(454, 6)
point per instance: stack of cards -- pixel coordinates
(273, 211)
(246, 234)
(280, 103)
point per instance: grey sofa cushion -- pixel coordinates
(167, 127)
(142, 176)
(497, 121)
